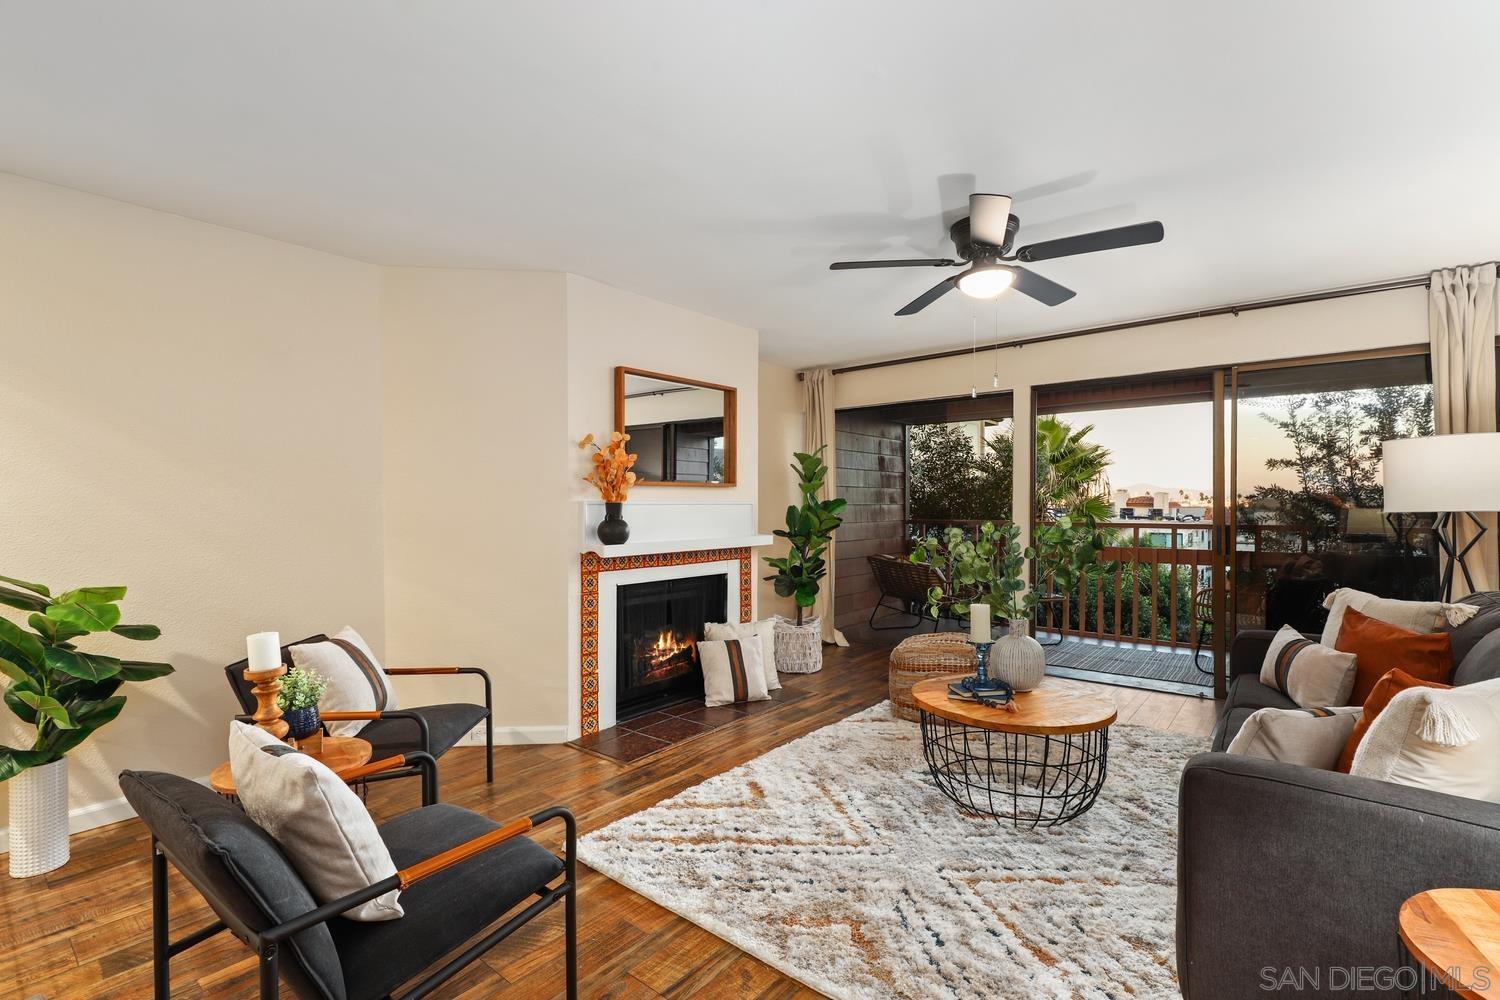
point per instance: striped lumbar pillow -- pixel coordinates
(732, 672)
(356, 680)
(1312, 737)
(1310, 674)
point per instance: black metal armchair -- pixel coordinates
(460, 874)
(430, 729)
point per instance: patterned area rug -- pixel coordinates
(834, 859)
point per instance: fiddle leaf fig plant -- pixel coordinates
(62, 691)
(986, 569)
(809, 530)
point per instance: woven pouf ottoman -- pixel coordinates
(919, 657)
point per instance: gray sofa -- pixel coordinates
(1287, 867)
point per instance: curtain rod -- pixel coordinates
(1411, 281)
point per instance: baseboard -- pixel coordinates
(518, 735)
(91, 816)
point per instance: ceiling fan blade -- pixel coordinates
(1044, 290)
(927, 298)
(1104, 239)
(988, 215)
(848, 265)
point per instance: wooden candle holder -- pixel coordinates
(267, 689)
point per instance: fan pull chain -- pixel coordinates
(973, 352)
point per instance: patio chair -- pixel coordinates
(430, 729)
(460, 874)
(906, 582)
(1203, 617)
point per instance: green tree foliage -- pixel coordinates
(1335, 440)
(948, 481)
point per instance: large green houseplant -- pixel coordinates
(65, 694)
(809, 531)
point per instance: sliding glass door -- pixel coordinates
(1305, 475)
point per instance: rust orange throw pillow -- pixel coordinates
(1385, 689)
(1381, 648)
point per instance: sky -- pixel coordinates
(1171, 446)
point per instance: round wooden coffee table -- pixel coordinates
(1452, 937)
(1040, 764)
(339, 753)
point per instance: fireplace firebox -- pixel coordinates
(660, 624)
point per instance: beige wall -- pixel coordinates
(193, 412)
(477, 458)
(253, 435)
(781, 433)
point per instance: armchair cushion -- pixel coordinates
(443, 910)
(446, 726)
(356, 680)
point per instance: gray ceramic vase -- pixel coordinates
(1017, 658)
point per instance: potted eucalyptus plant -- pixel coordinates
(809, 531)
(989, 569)
(63, 694)
(301, 691)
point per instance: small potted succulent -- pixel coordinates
(301, 690)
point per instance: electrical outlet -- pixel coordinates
(477, 735)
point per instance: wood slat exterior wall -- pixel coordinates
(871, 454)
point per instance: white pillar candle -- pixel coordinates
(264, 649)
(979, 623)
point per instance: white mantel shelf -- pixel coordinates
(678, 545)
(658, 526)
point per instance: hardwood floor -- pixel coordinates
(84, 931)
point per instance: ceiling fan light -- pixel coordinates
(985, 282)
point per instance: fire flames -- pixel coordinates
(665, 657)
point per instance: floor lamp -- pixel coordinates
(1452, 476)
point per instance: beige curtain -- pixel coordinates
(817, 424)
(1461, 321)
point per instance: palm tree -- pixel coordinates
(1071, 501)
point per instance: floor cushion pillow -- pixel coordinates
(732, 672)
(764, 630)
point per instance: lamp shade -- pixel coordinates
(1448, 473)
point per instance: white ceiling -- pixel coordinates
(719, 155)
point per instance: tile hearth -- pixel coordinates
(638, 738)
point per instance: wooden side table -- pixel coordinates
(1452, 936)
(341, 754)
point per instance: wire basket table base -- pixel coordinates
(1026, 779)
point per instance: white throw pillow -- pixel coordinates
(319, 822)
(1414, 616)
(732, 673)
(763, 630)
(356, 680)
(1310, 674)
(1312, 737)
(1447, 740)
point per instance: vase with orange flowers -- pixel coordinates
(612, 477)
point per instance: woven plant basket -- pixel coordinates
(799, 648)
(39, 819)
(919, 657)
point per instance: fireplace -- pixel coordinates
(656, 647)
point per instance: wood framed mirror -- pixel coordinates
(682, 430)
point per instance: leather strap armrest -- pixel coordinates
(375, 767)
(408, 671)
(463, 852)
(349, 716)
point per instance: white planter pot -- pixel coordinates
(1018, 659)
(799, 648)
(39, 819)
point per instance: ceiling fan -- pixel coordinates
(983, 241)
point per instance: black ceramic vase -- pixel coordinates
(613, 530)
